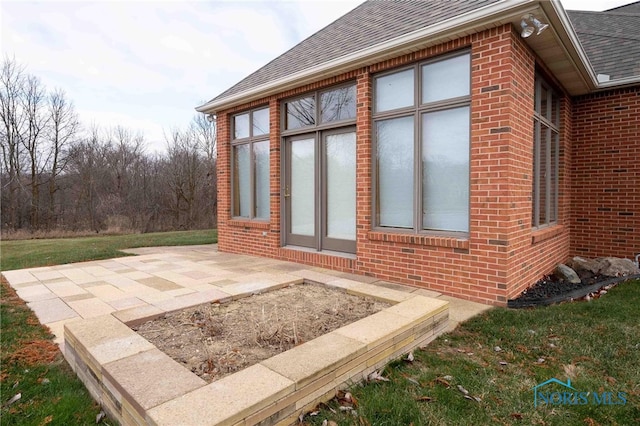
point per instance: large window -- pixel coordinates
(250, 164)
(421, 124)
(546, 153)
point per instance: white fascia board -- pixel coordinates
(493, 11)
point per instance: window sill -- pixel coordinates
(420, 239)
(546, 233)
(247, 223)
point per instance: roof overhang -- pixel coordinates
(558, 47)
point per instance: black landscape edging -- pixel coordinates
(574, 294)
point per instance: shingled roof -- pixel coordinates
(371, 23)
(610, 39)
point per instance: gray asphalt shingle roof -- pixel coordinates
(610, 39)
(371, 23)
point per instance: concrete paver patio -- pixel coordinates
(95, 299)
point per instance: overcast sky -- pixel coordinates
(146, 64)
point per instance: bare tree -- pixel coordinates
(12, 80)
(63, 129)
(204, 131)
(34, 106)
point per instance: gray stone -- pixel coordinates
(567, 274)
(580, 264)
(616, 267)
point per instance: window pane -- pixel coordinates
(394, 91)
(302, 187)
(446, 79)
(445, 170)
(341, 186)
(261, 175)
(261, 122)
(555, 110)
(300, 113)
(241, 126)
(395, 172)
(339, 104)
(544, 107)
(542, 177)
(553, 172)
(241, 190)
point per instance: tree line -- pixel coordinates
(59, 175)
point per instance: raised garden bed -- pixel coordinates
(139, 384)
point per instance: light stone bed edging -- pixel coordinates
(137, 384)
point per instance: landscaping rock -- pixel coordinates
(582, 265)
(606, 266)
(567, 274)
(616, 267)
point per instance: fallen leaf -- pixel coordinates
(517, 416)
(447, 377)
(46, 420)
(15, 398)
(503, 363)
(611, 380)
(410, 357)
(424, 399)
(345, 408)
(376, 376)
(332, 423)
(463, 390)
(101, 415)
(443, 382)
(497, 349)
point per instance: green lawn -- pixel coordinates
(596, 344)
(30, 364)
(19, 254)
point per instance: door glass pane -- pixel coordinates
(241, 126)
(242, 184)
(446, 79)
(445, 170)
(300, 113)
(339, 104)
(395, 172)
(302, 187)
(341, 186)
(394, 91)
(261, 122)
(261, 175)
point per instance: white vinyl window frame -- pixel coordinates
(250, 157)
(424, 103)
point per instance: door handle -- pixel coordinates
(286, 192)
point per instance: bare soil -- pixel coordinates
(215, 340)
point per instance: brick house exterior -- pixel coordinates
(512, 224)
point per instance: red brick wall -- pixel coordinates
(501, 254)
(606, 175)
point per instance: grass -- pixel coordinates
(19, 254)
(596, 344)
(33, 366)
(30, 363)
